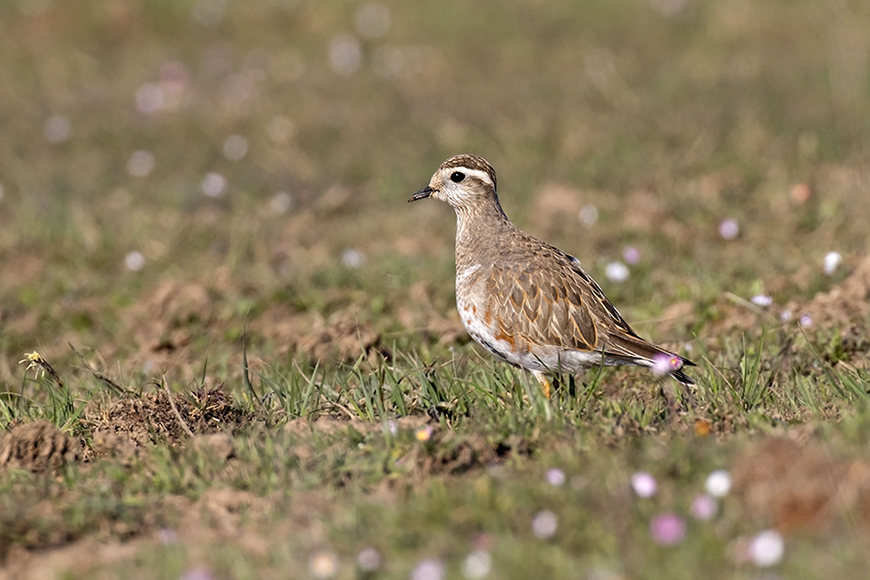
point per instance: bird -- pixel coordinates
(527, 302)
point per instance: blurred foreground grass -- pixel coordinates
(206, 201)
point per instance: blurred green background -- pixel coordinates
(265, 149)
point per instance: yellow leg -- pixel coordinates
(545, 384)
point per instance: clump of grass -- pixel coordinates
(45, 396)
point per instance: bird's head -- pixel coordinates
(463, 181)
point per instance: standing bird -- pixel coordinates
(525, 300)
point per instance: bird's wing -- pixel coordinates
(541, 310)
(540, 295)
(546, 298)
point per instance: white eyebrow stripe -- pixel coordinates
(481, 175)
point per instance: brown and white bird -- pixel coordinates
(525, 300)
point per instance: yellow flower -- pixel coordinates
(423, 433)
(34, 360)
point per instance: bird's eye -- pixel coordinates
(457, 176)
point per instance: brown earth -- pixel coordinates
(126, 430)
(155, 418)
(846, 308)
(37, 447)
(800, 487)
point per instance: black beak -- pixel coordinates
(422, 194)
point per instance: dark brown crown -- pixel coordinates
(471, 162)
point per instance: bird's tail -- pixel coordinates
(635, 350)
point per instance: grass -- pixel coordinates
(280, 382)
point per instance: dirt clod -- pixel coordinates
(847, 303)
(341, 338)
(150, 419)
(218, 445)
(37, 447)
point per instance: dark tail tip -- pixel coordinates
(683, 377)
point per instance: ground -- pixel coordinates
(229, 348)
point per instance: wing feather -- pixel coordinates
(542, 311)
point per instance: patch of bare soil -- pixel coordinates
(845, 304)
(282, 325)
(419, 312)
(844, 308)
(327, 426)
(161, 325)
(447, 453)
(39, 446)
(164, 323)
(802, 487)
(431, 451)
(220, 515)
(341, 337)
(155, 418)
